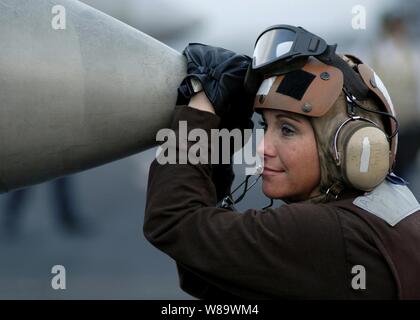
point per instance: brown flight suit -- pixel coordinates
(296, 251)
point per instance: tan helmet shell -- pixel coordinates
(318, 98)
(325, 104)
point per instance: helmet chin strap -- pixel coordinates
(228, 202)
(332, 193)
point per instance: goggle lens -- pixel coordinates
(273, 45)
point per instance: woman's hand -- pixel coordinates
(221, 74)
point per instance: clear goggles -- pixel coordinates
(280, 44)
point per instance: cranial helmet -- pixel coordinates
(349, 107)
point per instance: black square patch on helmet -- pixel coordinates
(295, 83)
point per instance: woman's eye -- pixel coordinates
(287, 130)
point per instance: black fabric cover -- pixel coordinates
(295, 83)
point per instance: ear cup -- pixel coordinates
(365, 155)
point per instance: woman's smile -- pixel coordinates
(271, 172)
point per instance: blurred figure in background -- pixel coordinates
(397, 62)
(63, 198)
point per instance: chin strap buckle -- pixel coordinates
(334, 191)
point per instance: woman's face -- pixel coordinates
(291, 163)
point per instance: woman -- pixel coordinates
(350, 229)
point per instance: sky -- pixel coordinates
(236, 23)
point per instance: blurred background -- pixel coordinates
(91, 222)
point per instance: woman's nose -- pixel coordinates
(265, 147)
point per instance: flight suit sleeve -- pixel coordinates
(294, 251)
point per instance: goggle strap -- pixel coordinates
(352, 81)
